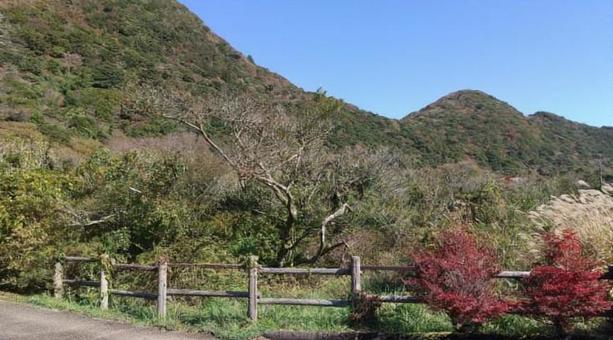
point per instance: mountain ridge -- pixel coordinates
(65, 67)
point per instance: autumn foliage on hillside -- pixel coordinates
(455, 276)
(567, 285)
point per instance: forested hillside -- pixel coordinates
(475, 125)
(67, 67)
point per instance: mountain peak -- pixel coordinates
(467, 93)
(548, 115)
(467, 102)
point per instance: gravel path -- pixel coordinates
(21, 321)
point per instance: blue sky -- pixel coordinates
(393, 57)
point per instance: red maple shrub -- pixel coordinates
(455, 276)
(567, 285)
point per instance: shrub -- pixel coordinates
(106, 76)
(567, 286)
(455, 276)
(31, 218)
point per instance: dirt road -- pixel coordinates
(20, 321)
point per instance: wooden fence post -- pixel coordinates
(162, 286)
(252, 305)
(356, 275)
(356, 278)
(58, 284)
(104, 291)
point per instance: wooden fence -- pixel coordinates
(253, 270)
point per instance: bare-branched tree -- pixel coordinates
(284, 152)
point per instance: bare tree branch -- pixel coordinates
(281, 150)
(323, 247)
(205, 135)
(94, 222)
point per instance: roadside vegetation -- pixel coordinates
(226, 319)
(138, 205)
(257, 181)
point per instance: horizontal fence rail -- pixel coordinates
(79, 259)
(207, 293)
(304, 302)
(132, 266)
(207, 265)
(512, 275)
(137, 294)
(305, 271)
(252, 268)
(400, 299)
(85, 283)
(399, 269)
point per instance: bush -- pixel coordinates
(455, 276)
(84, 125)
(106, 76)
(31, 226)
(567, 286)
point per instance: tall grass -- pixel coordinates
(590, 214)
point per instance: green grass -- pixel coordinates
(227, 318)
(410, 318)
(223, 318)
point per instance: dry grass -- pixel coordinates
(23, 140)
(187, 144)
(590, 214)
(20, 130)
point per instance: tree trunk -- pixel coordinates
(284, 254)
